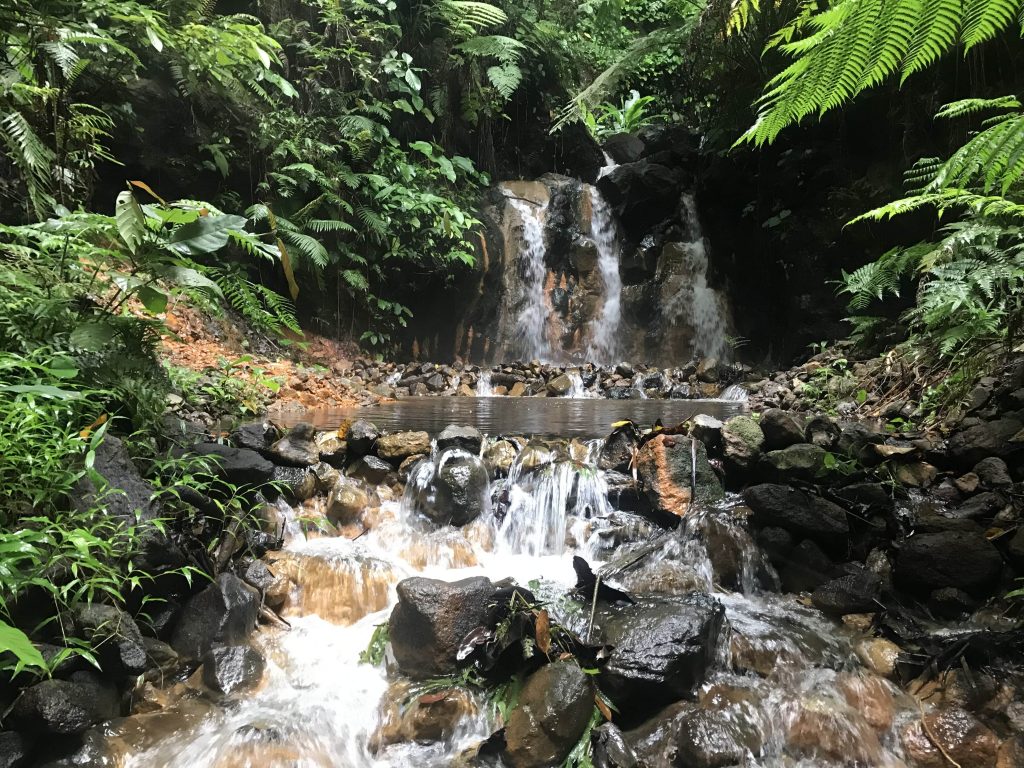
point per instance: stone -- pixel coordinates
(115, 637)
(799, 462)
(333, 450)
(798, 512)
(823, 432)
(623, 147)
(781, 429)
(709, 370)
(642, 194)
(961, 735)
(519, 389)
(878, 654)
(655, 742)
(297, 448)
(406, 717)
(431, 619)
(871, 696)
(1010, 754)
(552, 712)
(64, 707)
(715, 738)
(230, 668)
(873, 497)
(436, 383)
(708, 430)
(993, 473)
(361, 437)
(560, 385)
(662, 649)
(982, 505)
(1015, 549)
(951, 603)
(618, 449)
(348, 499)
(806, 568)
(15, 748)
(853, 593)
(224, 612)
(814, 728)
(455, 436)
(460, 490)
(961, 559)
(969, 446)
(500, 456)
(742, 440)
(916, 474)
(239, 466)
(664, 466)
(297, 483)
(611, 749)
(130, 497)
(400, 445)
(372, 470)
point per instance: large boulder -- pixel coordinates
(949, 735)
(642, 194)
(129, 496)
(798, 512)
(115, 636)
(432, 618)
(554, 708)
(623, 147)
(401, 445)
(665, 469)
(742, 442)
(65, 706)
(348, 499)
(662, 648)
(239, 466)
(617, 451)
(298, 448)
(799, 462)
(781, 429)
(990, 438)
(222, 614)
(229, 668)
(456, 436)
(460, 490)
(361, 437)
(962, 559)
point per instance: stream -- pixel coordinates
(785, 687)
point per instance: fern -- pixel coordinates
(854, 45)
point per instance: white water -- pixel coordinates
(695, 302)
(530, 340)
(320, 708)
(604, 331)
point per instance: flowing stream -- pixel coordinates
(319, 707)
(603, 346)
(529, 340)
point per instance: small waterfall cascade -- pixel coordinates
(604, 328)
(688, 300)
(527, 338)
(484, 388)
(783, 675)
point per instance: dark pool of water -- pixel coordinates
(563, 417)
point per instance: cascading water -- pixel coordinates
(691, 300)
(528, 337)
(319, 707)
(604, 330)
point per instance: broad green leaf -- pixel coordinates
(43, 390)
(92, 335)
(131, 223)
(17, 642)
(187, 277)
(204, 235)
(422, 146)
(154, 39)
(152, 299)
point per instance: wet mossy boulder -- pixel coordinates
(665, 466)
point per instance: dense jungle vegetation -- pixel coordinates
(280, 157)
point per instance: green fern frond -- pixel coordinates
(965, 107)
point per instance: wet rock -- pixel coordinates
(617, 451)
(708, 430)
(1015, 549)
(333, 450)
(871, 696)
(560, 385)
(611, 749)
(951, 603)
(551, 715)
(662, 649)
(130, 494)
(709, 370)
(372, 470)
(805, 568)
(857, 440)
(969, 446)
(64, 706)
(223, 613)
(959, 559)
(800, 513)
(983, 505)
(869, 496)
(348, 499)
(400, 445)
(822, 431)
(114, 636)
(431, 619)
(916, 474)
(361, 437)
(467, 438)
(238, 466)
(742, 441)
(642, 194)
(800, 462)
(715, 739)
(781, 429)
(623, 147)
(500, 456)
(993, 473)
(459, 490)
(406, 717)
(14, 750)
(230, 668)
(655, 742)
(297, 483)
(775, 542)
(297, 448)
(961, 735)
(854, 593)
(878, 654)
(816, 729)
(664, 466)
(1010, 755)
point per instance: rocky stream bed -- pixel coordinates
(775, 589)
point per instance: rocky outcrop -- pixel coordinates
(222, 614)
(230, 668)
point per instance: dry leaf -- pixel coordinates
(605, 711)
(543, 631)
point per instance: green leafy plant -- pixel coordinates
(608, 119)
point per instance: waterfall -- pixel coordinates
(694, 302)
(603, 346)
(529, 334)
(484, 388)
